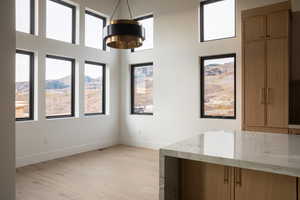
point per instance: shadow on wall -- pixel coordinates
(295, 70)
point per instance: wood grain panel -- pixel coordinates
(203, 181)
(265, 186)
(267, 129)
(277, 87)
(254, 83)
(278, 25)
(255, 28)
(294, 131)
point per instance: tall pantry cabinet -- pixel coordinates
(266, 68)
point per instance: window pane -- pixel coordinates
(58, 87)
(222, 24)
(94, 89)
(148, 25)
(94, 31)
(22, 86)
(23, 15)
(219, 87)
(143, 89)
(59, 21)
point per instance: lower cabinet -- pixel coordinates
(203, 181)
(255, 185)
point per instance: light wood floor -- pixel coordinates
(117, 173)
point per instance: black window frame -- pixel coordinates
(73, 7)
(73, 86)
(103, 88)
(132, 87)
(139, 19)
(87, 12)
(202, 85)
(32, 18)
(31, 85)
(202, 4)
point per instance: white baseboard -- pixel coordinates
(143, 144)
(46, 156)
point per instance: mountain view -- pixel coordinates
(22, 99)
(58, 97)
(143, 90)
(219, 90)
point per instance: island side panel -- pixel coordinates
(169, 178)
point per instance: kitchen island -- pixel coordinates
(231, 165)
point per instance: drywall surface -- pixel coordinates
(176, 56)
(7, 106)
(43, 139)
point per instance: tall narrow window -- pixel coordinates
(24, 85)
(94, 25)
(142, 89)
(218, 87)
(217, 19)
(147, 23)
(94, 88)
(60, 21)
(25, 16)
(60, 87)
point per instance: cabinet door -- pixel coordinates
(278, 25)
(298, 190)
(254, 83)
(255, 28)
(277, 87)
(254, 185)
(202, 181)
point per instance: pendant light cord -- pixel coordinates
(117, 6)
(129, 9)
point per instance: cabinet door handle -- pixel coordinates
(268, 95)
(262, 96)
(226, 175)
(238, 176)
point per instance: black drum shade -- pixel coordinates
(124, 34)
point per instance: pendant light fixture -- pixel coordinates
(123, 33)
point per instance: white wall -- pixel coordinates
(176, 73)
(7, 134)
(44, 139)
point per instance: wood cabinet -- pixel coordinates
(266, 68)
(203, 181)
(254, 185)
(294, 131)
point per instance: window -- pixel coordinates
(24, 85)
(142, 89)
(217, 19)
(94, 88)
(60, 21)
(60, 87)
(147, 23)
(94, 25)
(25, 16)
(218, 87)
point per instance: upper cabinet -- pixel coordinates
(255, 28)
(278, 24)
(266, 68)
